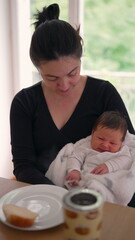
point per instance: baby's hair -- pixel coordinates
(112, 119)
(53, 38)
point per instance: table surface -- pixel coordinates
(118, 222)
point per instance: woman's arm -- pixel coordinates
(29, 166)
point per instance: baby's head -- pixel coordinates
(109, 132)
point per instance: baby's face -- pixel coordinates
(106, 139)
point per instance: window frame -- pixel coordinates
(22, 69)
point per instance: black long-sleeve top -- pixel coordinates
(36, 140)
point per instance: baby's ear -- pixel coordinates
(92, 131)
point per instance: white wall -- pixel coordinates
(6, 89)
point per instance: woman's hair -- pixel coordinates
(53, 38)
(112, 119)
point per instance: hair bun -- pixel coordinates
(53, 11)
(48, 13)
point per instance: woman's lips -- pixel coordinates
(64, 91)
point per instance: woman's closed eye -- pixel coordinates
(73, 73)
(51, 78)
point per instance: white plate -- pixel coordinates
(46, 200)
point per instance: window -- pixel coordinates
(109, 51)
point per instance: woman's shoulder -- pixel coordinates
(97, 84)
(34, 89)
(28, 98)
(97, 81)
(29, 92)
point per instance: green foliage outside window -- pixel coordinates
(109, 35)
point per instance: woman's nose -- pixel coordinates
(63, 83)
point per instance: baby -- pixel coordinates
(107, 136)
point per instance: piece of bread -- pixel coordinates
(19, 216)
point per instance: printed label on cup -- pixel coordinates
(82, 211)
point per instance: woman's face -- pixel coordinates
(62, 75)
(106, 139)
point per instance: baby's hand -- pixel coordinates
(73, 177)
(100, 169)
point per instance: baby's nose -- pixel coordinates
(105, 145)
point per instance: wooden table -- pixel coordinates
(118, 222)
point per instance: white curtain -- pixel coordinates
(15, 68)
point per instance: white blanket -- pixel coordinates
(116, 187)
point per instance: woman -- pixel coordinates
(63, 107)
